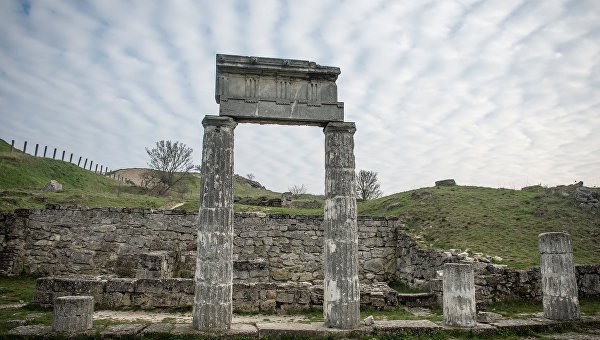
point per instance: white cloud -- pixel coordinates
(490, 93)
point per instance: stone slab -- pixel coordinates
(122, 330)
(158, 328)
(30, 331)
(389, 326)
(533, 324)
(303, 330)
(237, 330)
(478, 328)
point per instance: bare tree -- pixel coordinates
(367, 185)
(250, 176)
(169, 163)
(297, 190)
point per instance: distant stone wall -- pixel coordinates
(132, 242)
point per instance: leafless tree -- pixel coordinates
(367, 185)
(169, 163)
(297, 190)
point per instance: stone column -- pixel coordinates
(73, 313)
(459, 295)
(214, 264)
(558, 277)
(341, 300)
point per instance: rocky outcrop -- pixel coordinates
(53, 186)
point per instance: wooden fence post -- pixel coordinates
(54, 154)
(25, 147)
(71, 158)
(63, 156)
(12, 145)
(79, 161)
(36, 149)
(85, 164)
(45, 149)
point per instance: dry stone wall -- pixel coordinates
(131, 242)
(141, 243)
(111, 292)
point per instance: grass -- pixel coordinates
(21, 289)
(498, 222)
(515, 309)
(17, 289)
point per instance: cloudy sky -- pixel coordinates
(490, 93)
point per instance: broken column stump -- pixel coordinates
(73, 313)
(459, 295)
(558, 277)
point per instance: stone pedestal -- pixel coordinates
(558, 277)
(459, 295)
(341, 300)
(73, 313)
(214, 265)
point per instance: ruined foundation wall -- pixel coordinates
(170, 293)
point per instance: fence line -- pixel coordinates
(104, 170)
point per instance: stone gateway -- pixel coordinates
(275, 91)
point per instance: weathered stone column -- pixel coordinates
(73, 313)
(459, 295)
(214, 265)
(558, 277)
(341, 300)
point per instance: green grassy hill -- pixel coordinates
(23, 176)
(498, 222)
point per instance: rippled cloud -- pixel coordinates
(491, 93)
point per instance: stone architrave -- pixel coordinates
(559, 284)
(459, 295)
(341, 297)
(277, 91)
(73, 313)
(214, 265)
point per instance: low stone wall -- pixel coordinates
(171, 293)
(74, 241)
(496, 283)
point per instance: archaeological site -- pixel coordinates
(218, 263)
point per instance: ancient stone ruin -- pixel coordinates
(275, 91)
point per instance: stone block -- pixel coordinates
(122, 285)
(254, 89)
(122, 330)
(73, 313)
